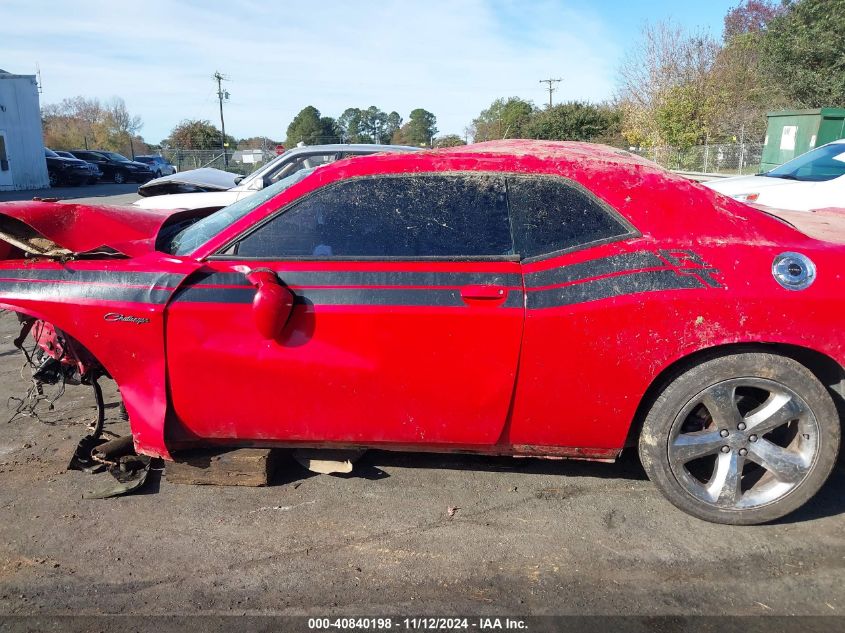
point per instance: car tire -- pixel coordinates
(53, 178)
(741, 439)
(119, 177)
(157, 174)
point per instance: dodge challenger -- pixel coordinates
(516, 298)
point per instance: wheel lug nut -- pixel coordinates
(741, 426)
(743, 451)
(752, 438)
(724, 433)
(726, 449)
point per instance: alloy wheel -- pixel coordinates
(743, 443)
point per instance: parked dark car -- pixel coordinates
(159, 164)
(114, 166)
(93, 168)
(65, 171)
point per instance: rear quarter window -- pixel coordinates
(554, 214)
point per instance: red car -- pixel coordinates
(517, 298)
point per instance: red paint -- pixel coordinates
(480, 376)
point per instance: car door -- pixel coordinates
(405, 329)
(587, 285)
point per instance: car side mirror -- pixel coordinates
(273, 302)
(257, 184)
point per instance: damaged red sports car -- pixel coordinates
(516, 297)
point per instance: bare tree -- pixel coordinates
(667, 61)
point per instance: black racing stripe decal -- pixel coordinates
(169, 280)
(344, 296)
(47, 291)
(369, 278)
(594, 268)
(516, 299)
(606, 287)
(199, 294)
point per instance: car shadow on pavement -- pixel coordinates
(626, 467)
(828, 502)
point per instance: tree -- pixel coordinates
(310, 128)
(82, 122)
(750, 16)
(667, 63)
(350, 125)
(575, 121)
(419, 130)
(804, 52)
(372, 125)
(258, 142)
(394, 122)
(197, 134)
(450, 140)
(680, 118)
(741, 92)
(505, 118)
(122, 126)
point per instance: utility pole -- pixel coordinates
(551, 87)
(221, 95)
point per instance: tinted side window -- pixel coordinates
(404, 216)
(551, 214)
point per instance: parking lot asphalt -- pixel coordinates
(101, 193)
(524, 536)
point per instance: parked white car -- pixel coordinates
(223, 188)
(815, 180)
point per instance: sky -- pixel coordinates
(452, 57)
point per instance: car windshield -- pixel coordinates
(118, 157)
(190, 238)
(50, 153)
(824, 163)
(260, 173)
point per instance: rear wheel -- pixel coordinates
(741, 439)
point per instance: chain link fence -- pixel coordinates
(237, 161)
(716, 158)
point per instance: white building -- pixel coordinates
(22, 164)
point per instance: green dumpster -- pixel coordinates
(793, 132)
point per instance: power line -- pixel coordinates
(221, 95)
(551, 87)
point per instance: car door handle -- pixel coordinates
(484, 292)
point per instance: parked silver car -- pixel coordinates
(159, 164)
(214, 189)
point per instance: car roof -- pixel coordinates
(573, 158)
